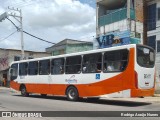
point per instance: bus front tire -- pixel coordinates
(24, 92)
(72, 94)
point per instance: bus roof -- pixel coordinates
(79, 53)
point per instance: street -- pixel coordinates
(13, 101)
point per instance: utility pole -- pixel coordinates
(129, 12)
(21, 26)
(22, 41)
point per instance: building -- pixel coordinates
(9, 55)
(153, 32)
(121, 22)
(67, 46)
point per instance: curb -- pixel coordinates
(2, 88)
(153, 99)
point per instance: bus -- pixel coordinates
(121, 71)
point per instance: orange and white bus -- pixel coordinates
(123, 71)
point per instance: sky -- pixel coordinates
(51, 20)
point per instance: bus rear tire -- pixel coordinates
(72, 94)
(24, 92)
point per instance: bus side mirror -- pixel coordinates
(10, 70)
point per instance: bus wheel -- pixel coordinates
(24, 91)
(72, 94)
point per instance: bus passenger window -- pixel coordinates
(44, 67)
(92, 63)
(73, 65)
(115, 61)
(23, 67)
(57, 66)
(33, 68)
(110, 66)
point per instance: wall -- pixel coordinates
(157, 84)
(71, 48)
(120, 26)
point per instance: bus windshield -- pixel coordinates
(145, 56)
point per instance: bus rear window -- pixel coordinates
(145, 57)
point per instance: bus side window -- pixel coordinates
(44, 67)
(33, 68)
(92, 63)
(14, 71)
(57, 66)
(73, 65)
(23, 67)
(115, 61)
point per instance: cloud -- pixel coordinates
(52, 20)
(60, 13)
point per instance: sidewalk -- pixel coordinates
(3, 88)
(155, 99)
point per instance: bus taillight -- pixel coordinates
(136, 79)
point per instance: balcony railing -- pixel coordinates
(116, 16)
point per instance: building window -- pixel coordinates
(44, 67)
(115, 61)
(73, 65)
(158, 15)
(17, 58)
(152, 41)
(92, 63)
(151, 17)
(57, 66)
(23, 68)
(158, 46)
(33, 68)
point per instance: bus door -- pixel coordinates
(145, 67)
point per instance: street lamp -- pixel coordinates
(3, 16)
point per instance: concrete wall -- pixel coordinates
(157, 85)
(71, 48)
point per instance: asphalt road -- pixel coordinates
(13, 101)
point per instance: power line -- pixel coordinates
(8, 36)
(38, 38)
(29, 33)
(14, 24)
(20, 3)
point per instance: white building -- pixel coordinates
(153, 32)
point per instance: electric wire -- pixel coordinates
(8, 36)
(38, 37)
(18, 29)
